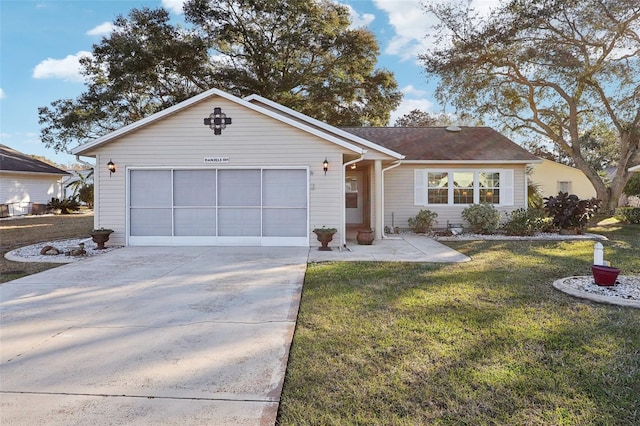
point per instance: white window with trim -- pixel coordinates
(564, 186)
(463, 187)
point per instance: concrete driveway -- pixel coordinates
(151, 335)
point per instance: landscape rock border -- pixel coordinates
(625, 293)
(31, 253)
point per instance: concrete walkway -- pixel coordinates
(163, 335)
(405, 248)
(147, 335)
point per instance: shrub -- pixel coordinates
(66, 205)
(569, 211)
(85, 194)
(523, 222)
(423, 221)
(628, 214)
(633, 185)
(483, 218)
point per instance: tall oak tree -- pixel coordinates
(557, 68)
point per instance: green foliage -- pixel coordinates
(524, 222)
(85, 194)
(300, 53)
(483, 218)
(66, 205)
(628, 214)
(633, 185)
(569, 211)
(531, 65)
(423, 221)
(144, 66)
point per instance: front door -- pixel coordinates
(355, 197)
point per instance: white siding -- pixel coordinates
(252, 140)
(20, 189)
(399, 194)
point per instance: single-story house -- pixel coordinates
(26, 184)
(220, 170)
(552, 177)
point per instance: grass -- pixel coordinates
(480, 343)
(15, 233)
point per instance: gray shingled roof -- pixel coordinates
(439, 144)
(14, 161)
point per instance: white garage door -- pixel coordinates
(218, 207)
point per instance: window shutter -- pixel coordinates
(420, 187)
(506, 187)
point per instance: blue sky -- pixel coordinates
(41, 41)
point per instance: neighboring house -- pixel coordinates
(552, 177)
(25, 182)
(220, 170)
(635, 168)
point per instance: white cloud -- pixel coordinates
(410, 90)
(174, 6)
(105, 28)
(67, 69)
(411, 24)
(2, 94)
(357, 20)
(409, 105)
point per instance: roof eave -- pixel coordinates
(326, 127)
(471, 161)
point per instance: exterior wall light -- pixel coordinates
(111, 167)
(325, 165)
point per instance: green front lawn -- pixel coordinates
(479, 343)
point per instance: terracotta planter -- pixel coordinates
(605, 275)
(324, 236)
(365, 237)
(101, 236)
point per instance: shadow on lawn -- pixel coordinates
(485, 342)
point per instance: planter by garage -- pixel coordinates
(604, 275)
(325, 236)
(101, 236)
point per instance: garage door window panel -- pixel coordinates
(284, 222)
(239, 188)
(195, 222)
(194, 188)
(150, 222)
(239, 222)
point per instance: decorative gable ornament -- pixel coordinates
(217, 121)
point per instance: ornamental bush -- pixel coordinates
(423, 221)
(569, 211)
(66, 205)
(524, 223)
(628, 214)
(483, 218)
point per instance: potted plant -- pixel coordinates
(325, 235)
(365, 237)
(100, 236)
(604, 275)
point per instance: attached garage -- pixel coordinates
(254, 206)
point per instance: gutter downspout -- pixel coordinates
(344, 212)
(84, 162)
(393, 166)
